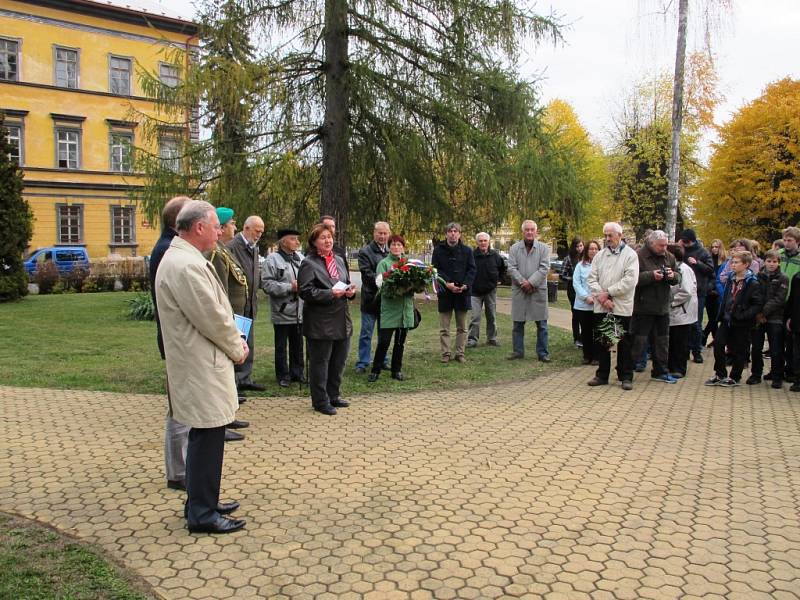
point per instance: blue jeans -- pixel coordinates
(696, 334)
(518, 338)
(365, 340)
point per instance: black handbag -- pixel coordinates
(417, 318)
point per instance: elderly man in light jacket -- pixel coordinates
(612, 281)
(528, 265)
(201, 344)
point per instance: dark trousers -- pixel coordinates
(774, 334)
(291, 336)
(326, 360)
(586, 320)
(244, 371)
(737, 340)
(384, 339)
(576, 322)
(794, 344)
(654, 328)
(624, 360)
(712, 310)
(696, 337)
(678, 348)
(203, 474)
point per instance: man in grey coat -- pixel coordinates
(244, 248)
(528, 265)
(279, 282)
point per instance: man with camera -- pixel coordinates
(658, 270)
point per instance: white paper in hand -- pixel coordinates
(341, 285)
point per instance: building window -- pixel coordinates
(68, 148)
(70, 223)
(15, 139)
(123, 230)
(169, 152)
(9, 60)
(168, 74)
(121, 152)
(120, 75)
(66, 67)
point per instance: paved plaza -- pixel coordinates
(533, 489)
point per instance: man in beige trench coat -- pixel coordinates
(201, 344)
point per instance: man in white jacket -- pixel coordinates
(612, 281)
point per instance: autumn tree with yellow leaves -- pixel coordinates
(752, 186)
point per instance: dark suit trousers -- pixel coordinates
(737, 339)
(679, 348)
(384, 339)
(624, 356)
(326, 360)
(291, 336)
(203, 474)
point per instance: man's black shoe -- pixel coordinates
(399, 376)
(251, 385)
(339, 403)
(221, 525)
(697, 357)
(795, 387)
(226, 508)
(753, 380)
(237, 424)
(176, 484)
(233, 436)
(373, 377)
(325, 409)
(284, 383)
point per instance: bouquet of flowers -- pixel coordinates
(609, 331)
(407, 275)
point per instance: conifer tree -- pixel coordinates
(16, 223)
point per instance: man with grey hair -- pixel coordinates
(176, 435)
(612, 282)
(528, 264)
(658, 271)
(368, 258)
(201, 345)
(456, 265)
(490, 268)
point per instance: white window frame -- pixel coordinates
(168, 78)
(20, 138)
(67, 130)
(171, 161)
(127, 227)
(18, 43)
(112, 71)
(71, 208)
(112, 148)
(56, 62)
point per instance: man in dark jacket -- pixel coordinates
(244, 248)
(699, 259)
(456, 265)
(176, 436)
(742, 300)
(368, 258)
(658, 270)
(489, 270)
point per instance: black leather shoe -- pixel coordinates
(256, 387)
(399, 376)
(237, 424)
(221, 525)
(233, 436)
(284, 383)
(176, 484)
(339, 403)
(372, 377)
(226, 508)
(325, 409)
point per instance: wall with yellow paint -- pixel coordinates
(94, 186)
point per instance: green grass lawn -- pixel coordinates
(37, 563)
(84, 341)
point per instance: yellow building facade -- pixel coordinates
(73, 106)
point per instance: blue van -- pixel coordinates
(65, 258)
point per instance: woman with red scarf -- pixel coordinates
(324, 284)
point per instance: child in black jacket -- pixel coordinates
(742, 300)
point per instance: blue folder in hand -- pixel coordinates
(243, 324)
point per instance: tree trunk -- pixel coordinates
(335, 131)
(677, 120)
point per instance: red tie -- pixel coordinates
(330, 264)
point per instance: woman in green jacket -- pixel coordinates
(396, 317)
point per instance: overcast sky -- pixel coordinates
(611, 43)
